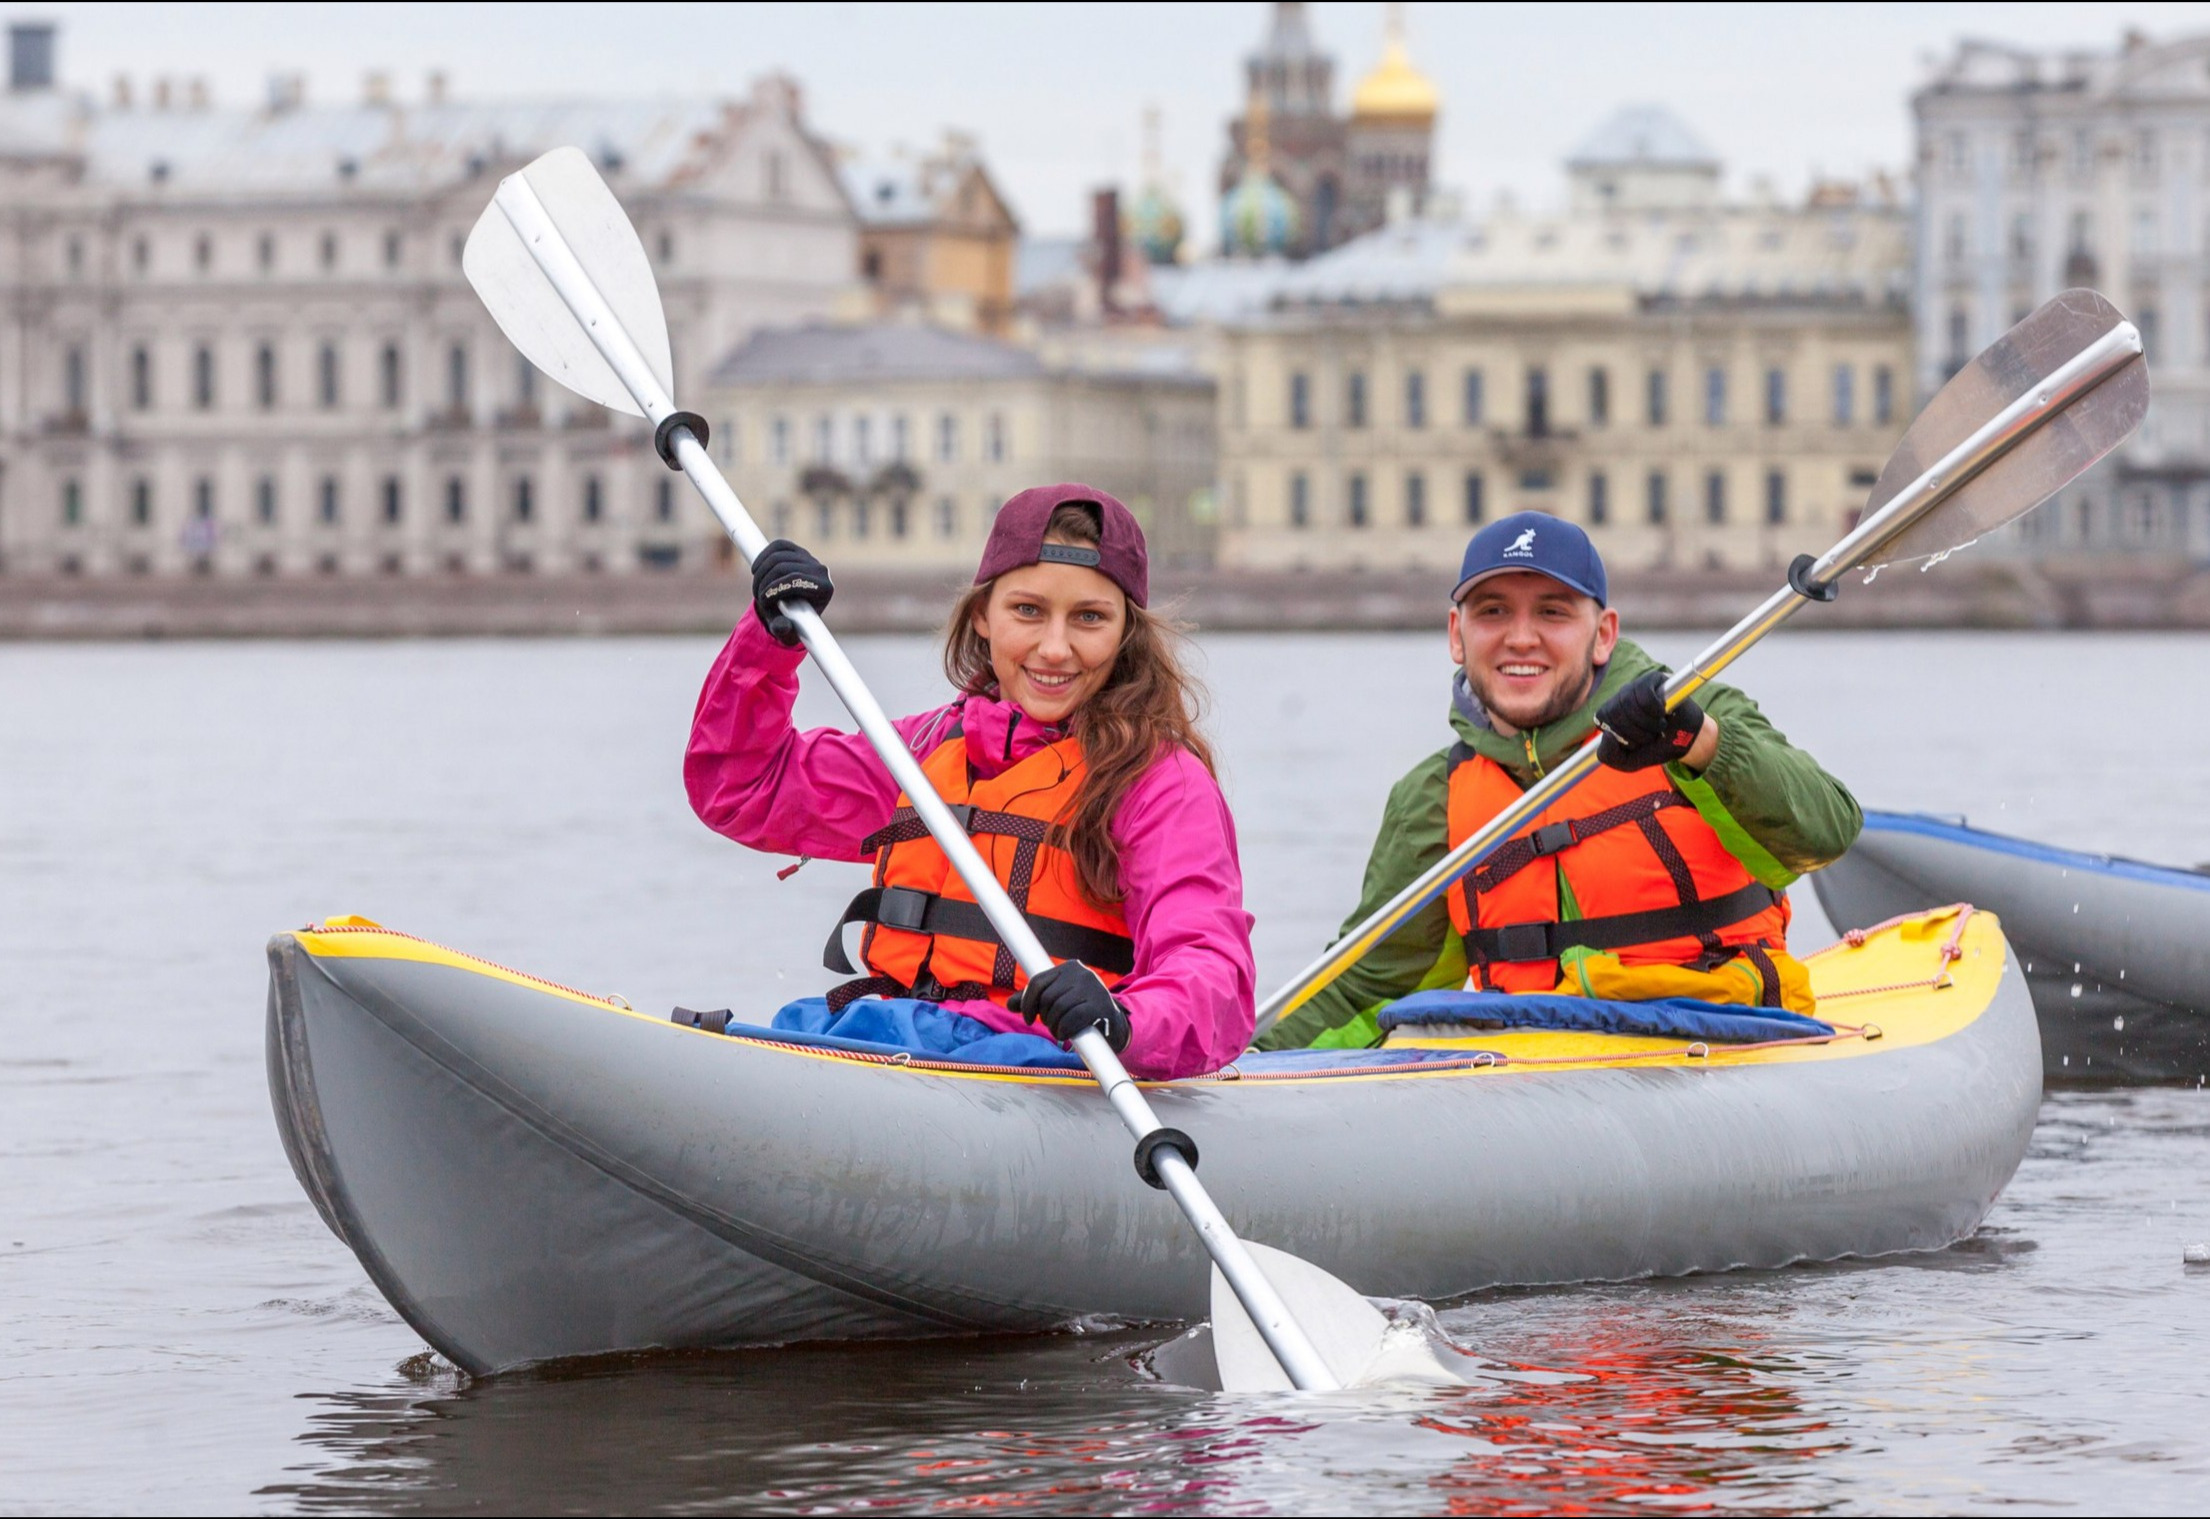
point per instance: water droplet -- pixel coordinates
(2118, 1022)
(2076, 988)
(1873, 574)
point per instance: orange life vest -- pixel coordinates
(926, 935)
(1653, 882)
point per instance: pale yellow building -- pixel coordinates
(892, 446)
(1699, 384)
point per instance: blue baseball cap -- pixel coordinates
(1533, 541)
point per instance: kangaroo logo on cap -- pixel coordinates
(1523, 546)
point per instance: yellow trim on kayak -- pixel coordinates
(1884, 987)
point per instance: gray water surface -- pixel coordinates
(184, 1335)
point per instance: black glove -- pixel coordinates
(1639, 732)
(1069, 998)
(785, 572)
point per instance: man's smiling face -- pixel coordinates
(1530, 646)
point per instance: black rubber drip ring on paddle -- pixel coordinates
(663, 436)
(1173, 1139)
(1799, 581)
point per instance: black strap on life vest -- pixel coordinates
(1548, 940)
(924, 912)
(1515, 855)
(905, 826)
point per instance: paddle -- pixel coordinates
(2028, 416)
(559, 266)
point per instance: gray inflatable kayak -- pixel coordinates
(529, 1172)
(2116, 952)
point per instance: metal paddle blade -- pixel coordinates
(531, 313)
(2042, 462)
(1351, 1334)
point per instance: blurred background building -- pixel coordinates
(937, 241)
(2038, 172)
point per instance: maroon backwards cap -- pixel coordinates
(1017, 539)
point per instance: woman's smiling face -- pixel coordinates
(1053, 632)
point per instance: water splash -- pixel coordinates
(1874, 573)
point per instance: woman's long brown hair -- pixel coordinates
(1147, 705)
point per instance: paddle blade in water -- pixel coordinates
(2040, 463)
(1358, 1343)
(531, 313)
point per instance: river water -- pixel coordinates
(183, 1335)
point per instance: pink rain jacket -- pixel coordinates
(756, 779)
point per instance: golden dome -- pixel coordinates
(1395, 91)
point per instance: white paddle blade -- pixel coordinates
(1351, 1334)
(2041, 463)
(531, 313)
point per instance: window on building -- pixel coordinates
(775, 176)
(897, 515)
(663, 500)
(862, 517)
(947, 438)
(824, 440)
(1300, 400)
(203, 499)
(1845, 395)
(1653, 498)
(75, 255)
(141, 502)
(456, 499)
(141, 378)
(1599, 499)
(328, 499)
(1415, 399)
(141, 255)
(947, 517)
(1715, 497)
(456, 378)
(525, 383)
(2080, 235)
(1715, 396)
(264, 252)
(203, 253)
(994, 445)
(1776, 498)
(1883, 395)
(203, 376)
(525, 499)
(1960, 338)
(1354, 499)
(326, 376)
(1354, 399)
(1476, 506)
(2144, 233)
(72, 380)
(594, 499)
(329, 250)
(2144, 151)
(1538, 402)
(897, 437)
(1471, 401)
(863, 440)
(1300, 499)
(1653, 398)
(264, 376)
(394, 502)
(1599, 398)
(2083, 152)
(2151, 327)
(394, 245)
(2022, 237)
(264, 500)
(388, 385)
(1776, 397)
(1953, 244)
(72, 502)
(1415, 499)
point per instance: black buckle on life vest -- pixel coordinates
(1553, 838)
(1523, 941)
(903, 907)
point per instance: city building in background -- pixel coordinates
(892, 445)
(1700, 384)
(2038, 172)
(937, 240)
(238, 341)
(1298, 179)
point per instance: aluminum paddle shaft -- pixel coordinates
(1911, 507)
(552, 254)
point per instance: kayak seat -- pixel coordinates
(1665, 1018)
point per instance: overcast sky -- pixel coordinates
(1056, 93)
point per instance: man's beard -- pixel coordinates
(1567, 702)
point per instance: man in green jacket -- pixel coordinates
(1541, 668)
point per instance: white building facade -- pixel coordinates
(2039, 172)
(240, 342)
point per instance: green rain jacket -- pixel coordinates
(1773, 807)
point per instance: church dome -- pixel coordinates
(1257, 217)
(1155, 226)
(1395, 91)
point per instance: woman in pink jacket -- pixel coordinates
(1071, 753)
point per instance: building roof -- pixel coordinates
(819, 353)
(313, 149)
(890, 192)
(1643, 136)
